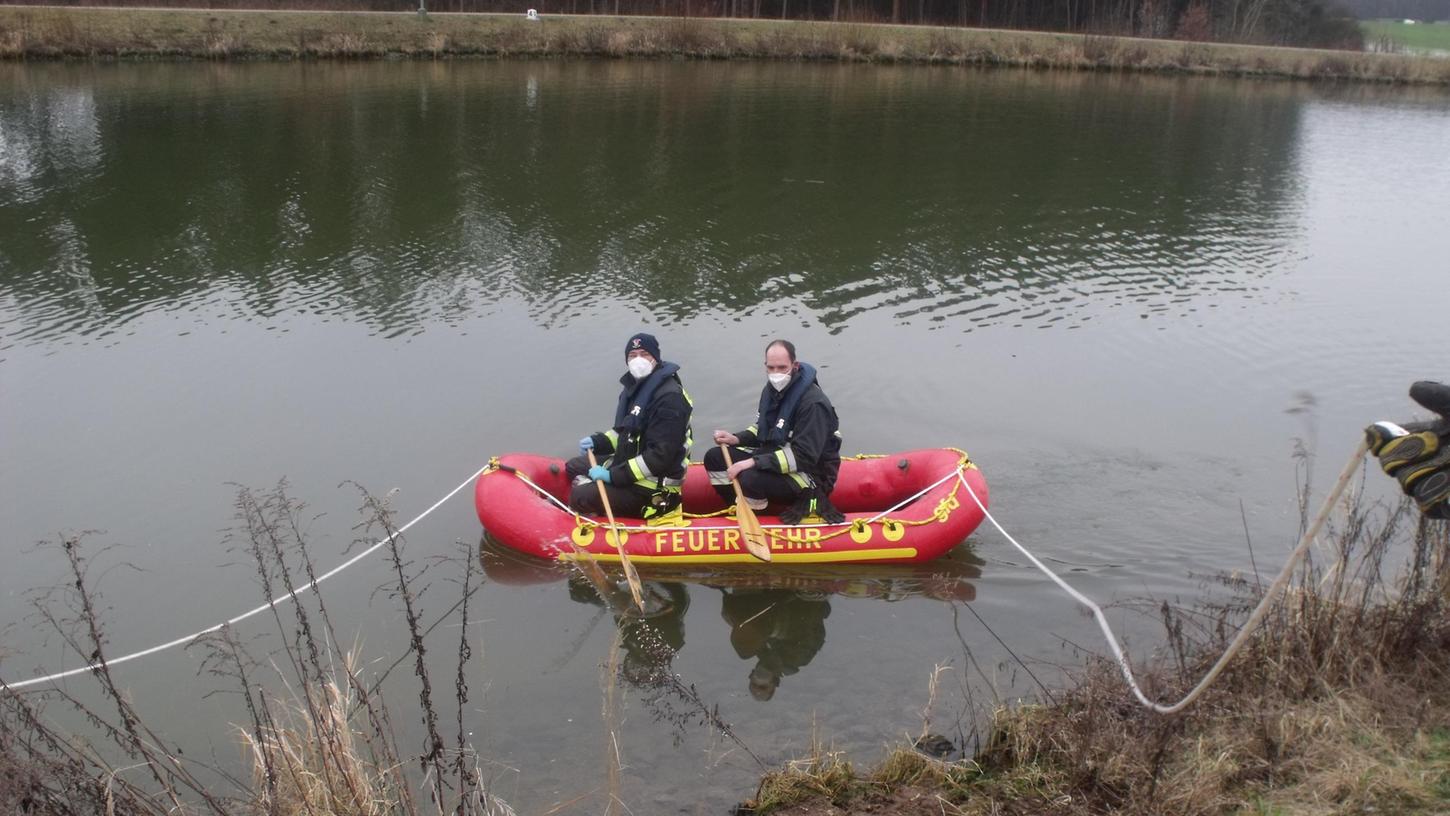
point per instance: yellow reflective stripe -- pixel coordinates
(613, 437)
(782, 461)
(800, 479)
(636, 466)
(753, 429)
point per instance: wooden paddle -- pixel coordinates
(750, 530)
(629, 574)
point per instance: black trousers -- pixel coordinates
(584, 498)
(755, 483)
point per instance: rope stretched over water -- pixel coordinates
(1270, 594)
(263, 608)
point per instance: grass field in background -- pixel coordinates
(1421, 36)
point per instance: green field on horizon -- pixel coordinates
(1421, 36)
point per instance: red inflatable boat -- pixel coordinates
(902, 508)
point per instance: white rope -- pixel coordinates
(959, 473)
(1269, 595)
(263, 608)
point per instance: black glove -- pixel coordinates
(828, 511)
(1417, 454)
(797, 511)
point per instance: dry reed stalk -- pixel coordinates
(318, 771)
(931, 688)
(613, 759)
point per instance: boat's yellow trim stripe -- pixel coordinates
(775, 557)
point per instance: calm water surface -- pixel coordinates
(1117, 293)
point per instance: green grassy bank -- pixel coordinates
(1417, 36)
(91, 33)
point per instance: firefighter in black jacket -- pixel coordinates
(642, 458)
(792, 453)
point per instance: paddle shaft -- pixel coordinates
(629, 574)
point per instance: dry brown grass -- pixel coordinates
(1338, 704)
(30, 32)
(326, 745)
(823, 774)
(317, 761)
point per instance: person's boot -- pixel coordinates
(664, 508)
(812, 502)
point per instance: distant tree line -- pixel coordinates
(1430, 10)
(1318, 23)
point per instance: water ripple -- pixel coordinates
(658, 188)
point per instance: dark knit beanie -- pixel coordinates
(643, 341)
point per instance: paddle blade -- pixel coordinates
(750, 530)
(632, 577)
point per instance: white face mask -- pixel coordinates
(779, 379)
(640, 367)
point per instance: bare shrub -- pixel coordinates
(587, 39)
(219, 46)
(1098, 50)
(857, 42)
(12, 43)
(945, 46)
(326, 747)
(437, 43)
(346, 44)
(620, 43)
(1194, 23)
(1331, 68)
(688, 36)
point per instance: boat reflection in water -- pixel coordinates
(777, 614)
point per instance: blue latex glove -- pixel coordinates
(599, 473)
(586, 444)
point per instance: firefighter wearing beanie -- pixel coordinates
(643, 456)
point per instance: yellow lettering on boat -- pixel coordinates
(659, 543)
(712, 540)
(677, 541)
(797, 538)
(694, 541)
(732, 539)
